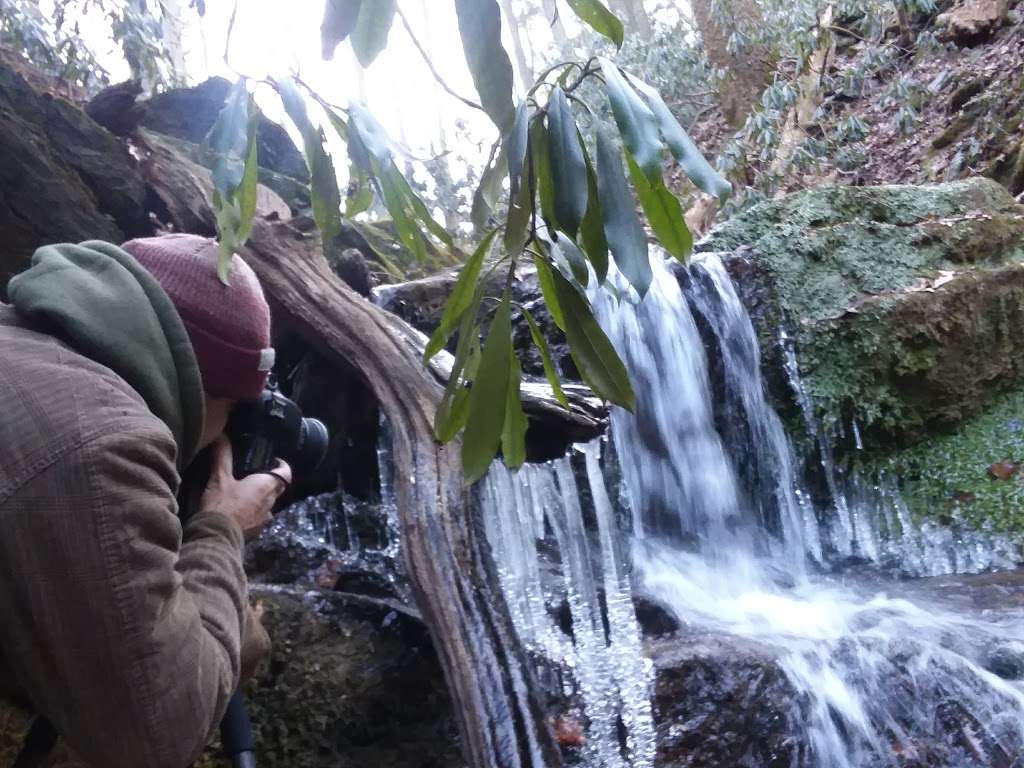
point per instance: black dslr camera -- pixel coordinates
(273, 428)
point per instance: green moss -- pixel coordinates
(951, 471)
(850, 270)
(948, 136)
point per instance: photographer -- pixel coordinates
(124, 630)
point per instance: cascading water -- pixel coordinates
(724, 539)
(604, 657)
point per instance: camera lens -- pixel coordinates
(312, 447)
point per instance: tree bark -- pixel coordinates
(636, 18)
(810, 92)
(554, 20)
(747, 70)
(501, 718)
(523, 68)
(454, 578)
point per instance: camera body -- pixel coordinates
(271, 428)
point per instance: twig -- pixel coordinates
(227, 39)
(430, 65)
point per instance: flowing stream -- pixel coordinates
(718, 531)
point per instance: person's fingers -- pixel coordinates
(223, 461)
(283, 471)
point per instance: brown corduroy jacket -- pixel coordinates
(120, 628)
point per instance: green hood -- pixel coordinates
(111, 310)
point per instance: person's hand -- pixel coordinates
(248, 501)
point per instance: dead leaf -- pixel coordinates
(568, 731)
(1004, 470)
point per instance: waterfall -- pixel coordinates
(874, 674)
(720, 534)
(601, 657)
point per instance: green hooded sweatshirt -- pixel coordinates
(107, 307)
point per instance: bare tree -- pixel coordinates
(554, 20)
(636, 18)
(747, 66)
(523, 68)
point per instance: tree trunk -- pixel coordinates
(523, 68)
(501, 719)
(810, 92)
(554, 20)
(747, 70)
(635, 17)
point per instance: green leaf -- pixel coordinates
(564, 250)
(461, 297)
(232, 142)
(622, 227)
(547, 288)
(480, 28)
(517, 225)
(488, 396)
(637, 124)
(360, 195)
(246, 191)
(419, 208)
(600, 19)
(513, 431)
(469, 333)
(228, 141)
(545, 355)
(663, 212)
(542, 172)
(592, 227)
(323, 186)
(395, 201)
(338, 22)
(451, 415)
(568, 168)
(594, 355)
(372, 137)
(515, 148)
(370, 35)
(488, 192)
(681, 145)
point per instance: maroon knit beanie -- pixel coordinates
(229, 325)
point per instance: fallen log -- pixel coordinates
(502, 720)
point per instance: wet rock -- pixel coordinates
(189, 113)
(62, 176)
(1007, 661)
(346, 684)
(905, 302)
(971, 22)
(720, 700)
(421, 303)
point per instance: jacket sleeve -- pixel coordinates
(132, 643)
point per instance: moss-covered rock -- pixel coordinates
(973, 473)
(347, 684)
(907, 303)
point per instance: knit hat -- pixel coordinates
(228, 325)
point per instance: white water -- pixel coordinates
(876, 675)
(604, 664)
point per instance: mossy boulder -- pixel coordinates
(348, 683)
(906, 303)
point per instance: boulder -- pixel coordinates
(189, 114)
(348, 683)
(906, 304)
(62, 177)
(971, 22)
(721, 700)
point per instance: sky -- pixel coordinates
(271, 38)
